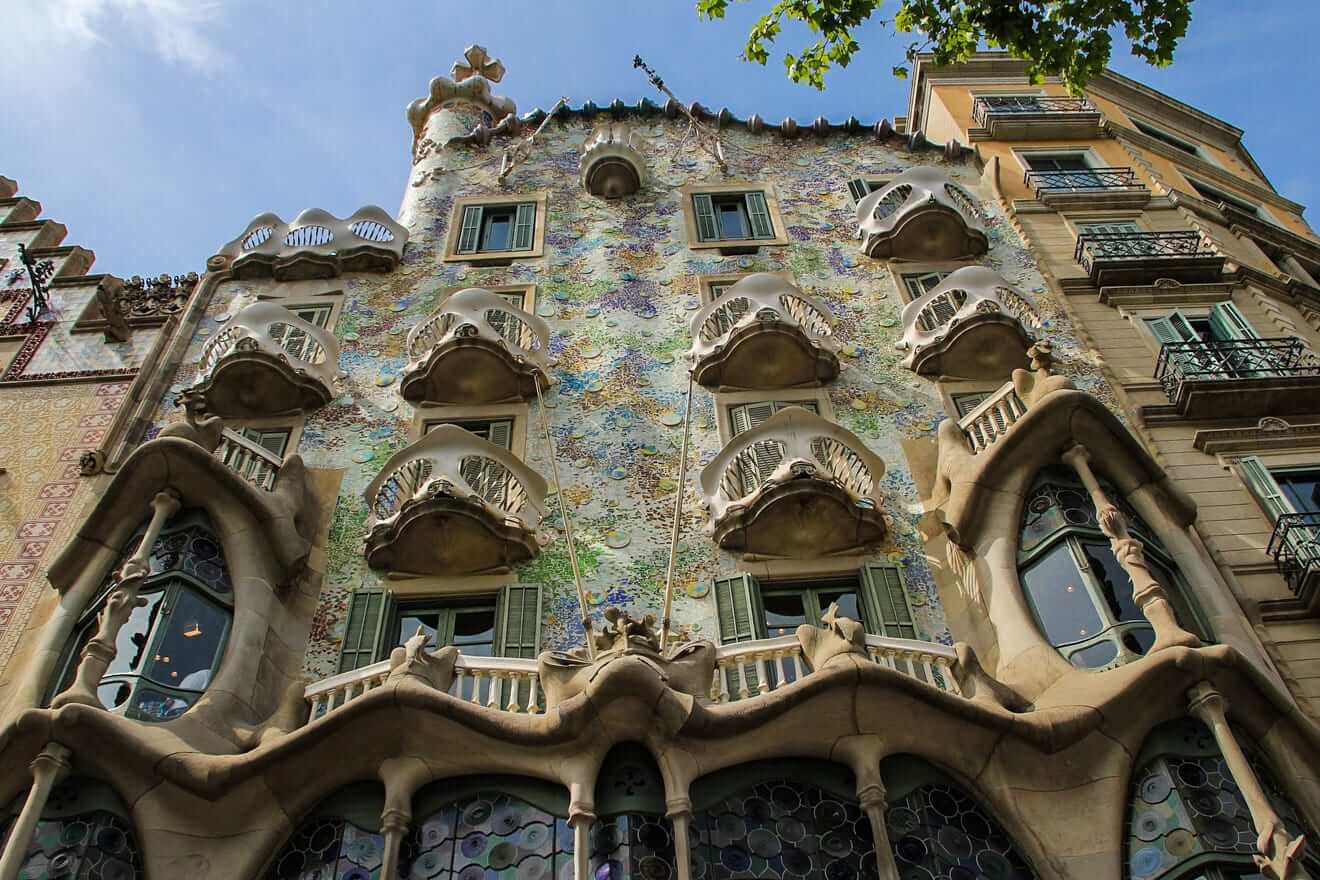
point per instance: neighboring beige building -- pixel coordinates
(670, 495)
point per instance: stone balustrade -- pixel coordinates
(502, 684)
(251, 461)
(992, 418)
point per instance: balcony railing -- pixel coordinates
(1295, 546)
(1182, 364)
(450, 471)
(992, 418)
(989, 105)
(921, 215)
(1094, 247)
(316, 245)
(742, 671)
(1083, 180)
(763, 333)
(973, 293)
(747, 669)
(251, 461)
(476, 348)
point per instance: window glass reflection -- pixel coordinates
(1059, 598)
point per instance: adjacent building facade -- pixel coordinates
(668, 494)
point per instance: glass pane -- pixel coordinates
(1095, 656)
(1302, 489)
(190, 647)
(784, 612)
(135, 636)
(846, 600)
(733, 220)
(474, 631)
(411, 621)
(1115, 585)
(499, 227)
(1059, 597)
(152, 705)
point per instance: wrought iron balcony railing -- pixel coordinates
(988, 105)
(1227, 361)
(1295, 546)
(1083, 179)
(1093, 247)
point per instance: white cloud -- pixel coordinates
(175, 30)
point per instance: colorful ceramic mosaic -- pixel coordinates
(617, 286)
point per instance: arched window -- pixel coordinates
(1079, 593)
(632, 838)
(781, 819)
(84, 831)
(937, 830)
(341, 840)
(1187, 818)
(170, 648)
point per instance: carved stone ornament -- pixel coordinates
(109, 299)
(612, 165)
(470, 87)
(688, 668)
(839, 636)
(412, 661)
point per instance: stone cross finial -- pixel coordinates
(477, 62)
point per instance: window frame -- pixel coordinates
(517, 413)
(724, 402)
(778, 228)
(453, 235)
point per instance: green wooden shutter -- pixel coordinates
(524, 227)
(858, 188)
(519, 621)
(885, 602)
(759, 215)
(1228, 322)
(965, 403)
(765, 455)
(1173, 327)
(501, 434)
(738, 604)
(1262, 485)
(470, 233)
(707, 230)
(362, 632)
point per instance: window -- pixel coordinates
(1215, 196)
(1113, 227)
(920, 284)
(170, 648)
(297, 342)
(965, 403)
(1212, 354)
(84, 830)
(1080, 594)
(503, 624)
(1164, 137)
(1282, 491)
(497, 431)
(859, 188)
(1058, 171)
(732, 216)
(497, 228)
(255, 468)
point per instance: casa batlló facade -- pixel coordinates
(673, 495)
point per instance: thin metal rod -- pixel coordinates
(678, 520)
(515, 156)
(705, 139)
(568, 523)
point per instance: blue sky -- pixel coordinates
(155, 129)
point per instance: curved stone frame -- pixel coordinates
(265, 536)
(315, 245)
(921, 215)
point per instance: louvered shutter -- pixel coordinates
(965, 403)
(470, 234)
(362, 632)
(519, 621)
(885, 602)
(1228, 322)
(858, 188)
(707, 230)
(759, 215)
(1262, 485)
(760, 461)
(524, 227)
(1173, 327)
(742, 619)
(501, 434)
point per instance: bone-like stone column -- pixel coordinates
(1130, 552)
(1279, 857)
(48, 768)
(100, 651)
(580, 819)
(679, 811)
(394, 825)
(871, 795)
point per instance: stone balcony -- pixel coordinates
(1033, 117)
(1240, 378)
(973, 325)
(612, 164)
(266, 362)
(315, 245)
(453, 504)
(1295, 547)
(798, 486)
(763, 333)
(921, 215)
(1134, 258)
(476, 348)
(251, 461)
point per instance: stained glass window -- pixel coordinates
(82, 834)
(939, 832)
(330, 848)
(491, 835)
(1185, 805)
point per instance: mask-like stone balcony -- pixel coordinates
(1136, 258)
(1245, 378)
(476, 348)
(763, 333)
(453, 503)
(1295, 546)
(612, 165)
(972, 326)
(316, 245)
(921, 215)
(798, 486)
(1033, 117)
(266, 362)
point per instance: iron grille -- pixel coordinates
(990, 104)
(1295, 546)
(1090, 178)
(1224, 361)
(1106, 246)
